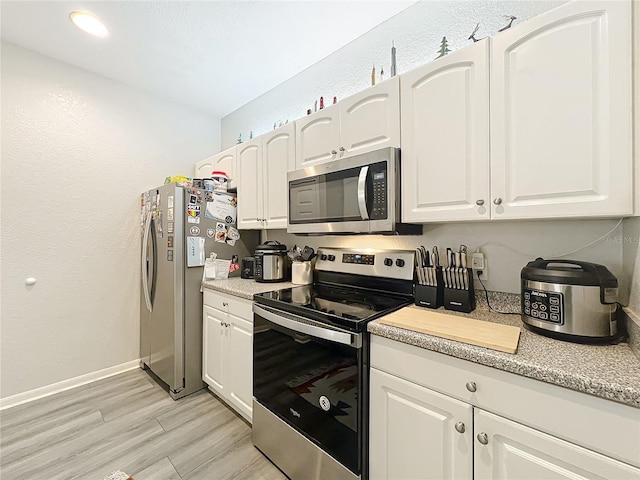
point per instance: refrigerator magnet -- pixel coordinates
(170, 202)
(211, 232)
(170, 241)
(193, 213)
(221, 232)
(169, 227)
(170, 214)
(194, 231)
(169, 255)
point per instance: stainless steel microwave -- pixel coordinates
(358, 194)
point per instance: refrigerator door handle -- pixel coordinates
(144, 264)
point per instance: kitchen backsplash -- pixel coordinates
(507, 246)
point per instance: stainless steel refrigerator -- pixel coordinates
(180, 228)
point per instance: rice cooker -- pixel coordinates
(271, 262)
(570, 300)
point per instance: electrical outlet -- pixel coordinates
(479, 262)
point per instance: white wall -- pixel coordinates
(507, 246)
(77, 151)
(416, 33)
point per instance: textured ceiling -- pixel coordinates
(211, 55)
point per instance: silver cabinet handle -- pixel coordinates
(225, 304)
(483, 438)
(471, 386)
(333, 152)
(342, 149)
(480, 202)
(460, 427)
(497, 201)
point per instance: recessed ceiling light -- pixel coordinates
(89, 23)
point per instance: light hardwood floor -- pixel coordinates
(128, 423)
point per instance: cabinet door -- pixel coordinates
(249, 162)
(277, 159)
(213, 351)
(224, 161)
(317, 135)
(370, 119)
(204, 168)
(240, 365)
(414, 432)
(560, 114)
(508, 450)
(445, 138)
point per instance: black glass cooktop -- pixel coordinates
(341, 306)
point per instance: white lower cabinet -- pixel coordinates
(437, 417)
(417, 433)
(508, 450)
(227, 354)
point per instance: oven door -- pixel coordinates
(311, 376)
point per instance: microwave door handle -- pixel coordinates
(362, 192)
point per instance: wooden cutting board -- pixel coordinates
(475, 332)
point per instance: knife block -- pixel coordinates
(429, 296)
(460, 300)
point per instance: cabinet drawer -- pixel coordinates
(602, 425)
(237, 306)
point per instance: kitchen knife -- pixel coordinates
(458, 272)
(463, 264)
(419, 272)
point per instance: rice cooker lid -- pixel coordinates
(271, 246)
(569, 272)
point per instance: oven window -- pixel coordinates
(313, 385)
(331, 197)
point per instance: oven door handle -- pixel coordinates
(309, 327)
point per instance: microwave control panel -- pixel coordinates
(542, 305)
(380, 201)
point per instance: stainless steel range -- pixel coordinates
(311, 361)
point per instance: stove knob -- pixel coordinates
(388, 262)
(323, 257)
(400, 262)
(332, 258)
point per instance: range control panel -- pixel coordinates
(373, 263)
(379, 207)
(358, 258)
(547, 306)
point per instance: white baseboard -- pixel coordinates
(58, 387)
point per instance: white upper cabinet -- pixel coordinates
(370, 120)
(224, 161)
(263, 192)
(277, 159)
(366, 121)
(317, 136)
(561, 114)
(558, 122)
(445, 138)
(249, 162)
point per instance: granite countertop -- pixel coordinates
(607, 371)
(244, 287)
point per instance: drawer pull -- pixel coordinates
(460, 427)
(483, 438)
(471, 386)
(225, 304)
